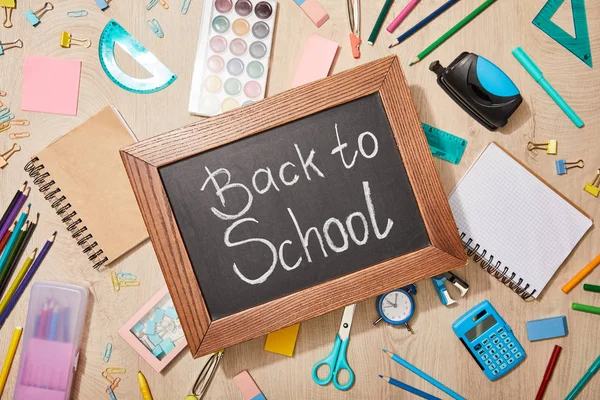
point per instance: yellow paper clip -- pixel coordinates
(77, 13)
(550, 146)
(151, 4)
(8, 17)
(593, 187)
(129, 283)
(115, 370)
(155, 26)
(126, 276)
(164, 4)
(66, 40)
(107, 352)
(19, 122)
(10, 45)
(18, 135)
(115, 281)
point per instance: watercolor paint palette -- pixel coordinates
(234, 50)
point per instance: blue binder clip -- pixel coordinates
(439, 282)
(102, 4)
(34, 16)
(562, 166)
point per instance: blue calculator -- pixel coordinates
(489, 339)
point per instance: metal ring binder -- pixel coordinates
(87, 244)
(506, 277)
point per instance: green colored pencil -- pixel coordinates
(384, 12)
(452, 31)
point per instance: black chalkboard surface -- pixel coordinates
(294, 206)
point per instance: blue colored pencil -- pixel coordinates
(409, 388)
(54, 324)
(424, 22)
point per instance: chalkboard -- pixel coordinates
(342, 172)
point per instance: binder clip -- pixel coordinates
(593, 187)
(551, 146)
(562, 166)
(10, 45)
(77, 13)
(66, 40)
(8, 17)
(439, 282)
(34, 16)
(155, 26)
(6, 155)
(103, 4)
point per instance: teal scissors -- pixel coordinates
(336, 360)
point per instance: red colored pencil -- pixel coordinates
(43, 322)
(548, 373)
(4, 239)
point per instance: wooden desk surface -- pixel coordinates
(433, 347)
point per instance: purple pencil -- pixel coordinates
(14, 200)
(13, 213)
(34, 267)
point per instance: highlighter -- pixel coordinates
(537, 75)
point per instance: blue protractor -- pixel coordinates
(114, 33)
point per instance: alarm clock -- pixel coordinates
(397, 307)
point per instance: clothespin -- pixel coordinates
(8, 16)
(66, 40)
(34, 16)
(550, 146)
(155, 26)
(103, 4)
(5, 156)
(562, 166)
(593, 187)
(439, 282)
(10, 45)
(354, 20)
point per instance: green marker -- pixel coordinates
(379, 22)
(591, 288)
(585, 308)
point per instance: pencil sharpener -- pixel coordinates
(480, 88)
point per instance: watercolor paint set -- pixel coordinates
(234, 50)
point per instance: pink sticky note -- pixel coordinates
(316, 61)
(50, 85)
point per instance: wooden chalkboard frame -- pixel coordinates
(143, 160)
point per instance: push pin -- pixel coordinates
(562, 166)
(34, 16)
(66, 40)
(10, 45)
(593, 188)
(550, 146)
(5, 156)
(8, 13)
(103, 4)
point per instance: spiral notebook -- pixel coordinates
(516, 225)
(81, 174)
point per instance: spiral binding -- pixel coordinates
(496, 270)
(68, 216)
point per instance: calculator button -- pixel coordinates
(492, 351)
(499, 346)
(477, 347)
(489, 346)
(498, 362)
(485, 341)
(500, 330)
(518, 355)
(496, 341)
(507, 340)
(514, 350)
(481, 352)
(496, 356)
(488, 362)
(507, 356)
(484, 357)
(511, 360)
(504, 335)
(503, 366)
(503, 351)
(493, 335)
(511, 345)
(495, 372)
(491, 367)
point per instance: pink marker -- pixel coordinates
(403, 14)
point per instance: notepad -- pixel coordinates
(523, 228)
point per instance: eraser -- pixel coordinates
(248, 387)
(283, 341)
(316, 61)
(547, 328)
(314, 11)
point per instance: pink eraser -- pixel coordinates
(316, 61)
(314, 11)
(250, 391)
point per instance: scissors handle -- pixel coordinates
(336, 361)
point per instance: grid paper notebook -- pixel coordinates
(520, 228)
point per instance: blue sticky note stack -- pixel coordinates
(561, 167)
(547, 328)
(32, 18)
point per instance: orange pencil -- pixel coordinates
(581, 274)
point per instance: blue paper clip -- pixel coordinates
(77, 13)
(185, 6)
(155, 26)
(111, 393)
(151, 4)
(126, 276)
(7, 117)
(107, 352)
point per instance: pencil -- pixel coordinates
(12, 204)
(17, 281)
(10, 356)
(548, 373)
(581, 274)
(12, 241)
(452, 31)
(6, 236)
(584, 380)
(384, 12)
(408, 388)
(13, 213)
(403, 14)
(22, 245)
(424, 22)
(12, 260)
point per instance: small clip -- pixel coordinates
(185, 6)
(4, 112)
(126, 276)
(111, 393)
(115, 281)
(151, 4)
(7, 117)
(4, 127)
(8, 17)
(77, 13)
(10, 45)
(130, 283)
(164, 4)
(107, 352)
(6, 155)
(103, 4)
(66, 40)
(550, 146)
(18, 135)
(19, 122)
(115, 370)
(34, 16)
(593, 187)
(562, 166)
(155, 26)
(108, 377)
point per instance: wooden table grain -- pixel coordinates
(434, 347)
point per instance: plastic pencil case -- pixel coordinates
(52, 337)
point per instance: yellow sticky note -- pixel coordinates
(8, 3)
(282, 341)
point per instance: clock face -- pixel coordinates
(397, 306)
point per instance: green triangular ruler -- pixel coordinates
(578, 45)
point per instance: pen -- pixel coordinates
(588, 375)
(146, 395)
(548, 373)
(379, 22)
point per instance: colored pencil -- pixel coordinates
(408, 388)
(28, 277)
(13, 213)
(581, 274)
(22, 245)
(585, 308)
(12, 261)
(591, 288)
(12, 241)
(10, 356)
(423, 375)
(17, 281)
(41, 334)
(6, 236)
(53, 323)
(384, 12)
(548, 373)
(584, 380)
(403, 14)
(424, 22)
(12, 204)
(452, 31)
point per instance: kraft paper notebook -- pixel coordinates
(81, 174)
(517, 226)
